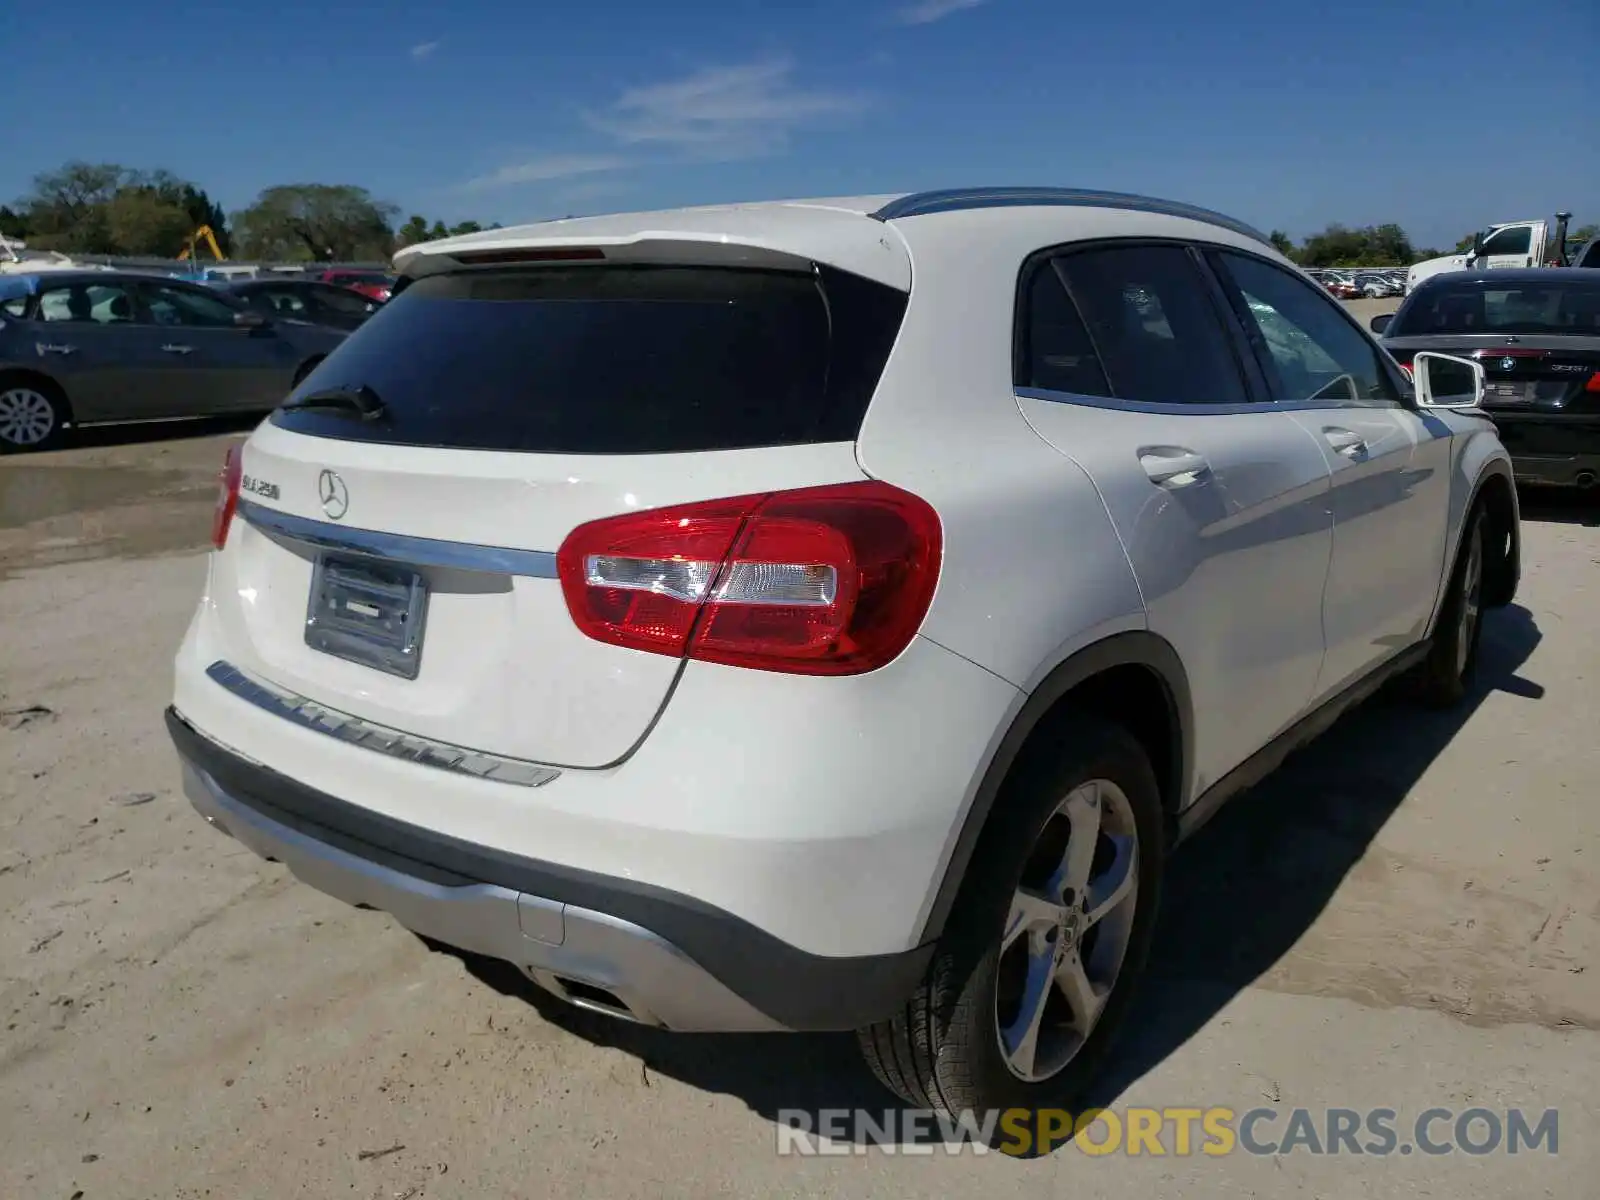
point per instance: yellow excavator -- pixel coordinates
(191, 248)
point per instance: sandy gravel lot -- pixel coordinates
(1407, 916)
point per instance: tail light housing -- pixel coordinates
(1594, 383)
(227, 495)
(828, 580)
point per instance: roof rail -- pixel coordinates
(920, 204)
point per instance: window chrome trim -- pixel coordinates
(1199, 409)
(354, 731)
(920, 204)
(398, 547)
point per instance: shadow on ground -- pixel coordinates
(1565, 506)
(1238, 897)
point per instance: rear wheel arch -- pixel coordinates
(48, 387)
(37, 379)
(1496, 495)
(1135, 680)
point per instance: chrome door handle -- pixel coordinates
(54, 348)
(1346, 441)
(169, 348)
(1173, 466)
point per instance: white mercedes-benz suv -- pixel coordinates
(827, 615)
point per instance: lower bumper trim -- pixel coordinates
(669, 960)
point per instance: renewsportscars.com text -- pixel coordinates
(1178, 1132)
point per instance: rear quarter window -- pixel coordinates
(614, 360)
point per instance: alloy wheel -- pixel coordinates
(1068, 931)
(27, 417)
(1471, 602)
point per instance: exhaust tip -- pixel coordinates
(1584, 479)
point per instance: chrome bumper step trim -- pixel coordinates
(393, 743)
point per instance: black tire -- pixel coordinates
(943, 1051)
(1443, 678)
(16, 438)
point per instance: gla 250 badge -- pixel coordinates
(258, 487)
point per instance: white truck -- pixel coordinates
(1515, 244)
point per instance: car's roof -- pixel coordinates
(90, 275)
(1501, 276)
(846, 231)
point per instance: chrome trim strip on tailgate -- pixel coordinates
(308, 714)
(398, 547)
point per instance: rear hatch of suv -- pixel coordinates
(393, 553)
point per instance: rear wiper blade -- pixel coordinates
(360, 401)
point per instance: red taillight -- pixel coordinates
(817, 581)
(227, 495)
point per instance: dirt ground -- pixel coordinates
(1407, 916)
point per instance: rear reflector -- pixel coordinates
(227, 495)
(817, 581)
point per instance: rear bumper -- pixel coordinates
(1551, 450)
(664, 959)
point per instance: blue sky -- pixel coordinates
(1440, 114)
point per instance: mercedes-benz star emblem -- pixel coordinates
(334, 495)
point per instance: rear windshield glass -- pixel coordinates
(614, 360)
(1565, 306)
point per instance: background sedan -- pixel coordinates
(1537, 333)
(307, 300)
(97, 346)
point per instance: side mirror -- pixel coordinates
(1445, 381)
(1380, 322)
(250, 319)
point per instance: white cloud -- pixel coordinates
(721, 112)
(926, 12)
(423, 49)
(543, 170)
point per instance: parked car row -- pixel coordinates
(1372, 284)
(86, 347)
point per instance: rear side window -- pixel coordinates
(339, 300)
(614, 360)
(1055, 352)
(1564, 307)
(1154, 325)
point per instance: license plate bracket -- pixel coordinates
(369, 612)
(1510, 393)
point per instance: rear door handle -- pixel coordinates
(169, 348)
(1173, 466)
(54, 348)
(1345, 441)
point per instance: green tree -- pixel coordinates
(317, 222)
(1368, 246)
(1583, 233)
(417, 229)
(140, 220)
(1284, 244)
(106, 208)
